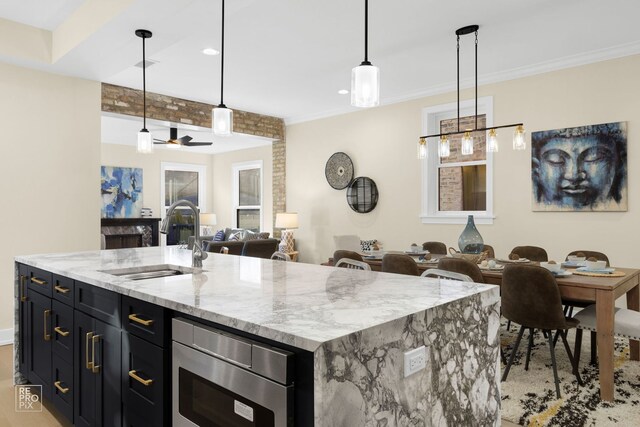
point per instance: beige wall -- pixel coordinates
(127, 156)
(50, 174)
(223, 184)
(382, 144)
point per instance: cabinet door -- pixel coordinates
(23, 342)
(39, 336)
(84, 380)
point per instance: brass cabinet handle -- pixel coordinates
(47, 336)
(133, 374)
(88, 363)
(38, 281)
(63, 390)
(62, 289)
(61, 331)
(94, 368)
(23, 288)
(136, 319)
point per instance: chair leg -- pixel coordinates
(502, 356)
(555, 337)
(578, 347)
(508, 325)
(526, 364)
(594, 349)
(553, 364)
(513, 354)
(572, 358)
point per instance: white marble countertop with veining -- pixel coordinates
(303, 305)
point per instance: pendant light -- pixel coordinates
(467, 139)
(422, 149)
(365, 78)
(221, 116)
(145, 142)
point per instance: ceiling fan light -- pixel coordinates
(222, 121)
(365, 86)
(467, 144)
(492, 142)
(145, 142)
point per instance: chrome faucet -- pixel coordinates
(197, 254)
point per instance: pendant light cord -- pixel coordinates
(222, 61)
(476, 126)
(366, 31)
(144, 86)
(458, 76)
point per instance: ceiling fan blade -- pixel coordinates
(184, 139)
(195, 143)
(159, 141)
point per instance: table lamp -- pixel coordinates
(207, 220)
(288, 221)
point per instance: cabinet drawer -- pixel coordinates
(63, 289)
(97, 302)
(145, 380)
(62, 390)
(39, 280)
(145, 320)
(62, 330)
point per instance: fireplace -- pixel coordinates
(130, 232)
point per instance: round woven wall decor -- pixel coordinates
(339, 170)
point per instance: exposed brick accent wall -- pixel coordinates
(127, 101)
(451, 179)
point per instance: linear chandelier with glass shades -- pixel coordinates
(467, 138)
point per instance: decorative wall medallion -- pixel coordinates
(362, 194)
(339, 170)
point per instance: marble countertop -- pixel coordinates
(303, 305)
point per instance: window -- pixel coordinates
(457, 185)
(181, 181)
(247, 190)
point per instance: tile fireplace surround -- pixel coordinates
(129, 232)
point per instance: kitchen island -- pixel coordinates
(355, 325)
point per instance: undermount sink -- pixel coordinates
(152, 271)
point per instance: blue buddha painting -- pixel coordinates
(121, 190)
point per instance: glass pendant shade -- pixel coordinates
(467, 144)
(492, 142)
(222, 121)
(422, 149)
(518, 139)
(365, 86)
(145, 142)
(443, 147)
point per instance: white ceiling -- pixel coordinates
(288, 58)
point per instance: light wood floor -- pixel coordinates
(49, 416)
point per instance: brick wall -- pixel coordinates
(127, 101)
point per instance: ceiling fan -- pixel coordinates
(183, 140)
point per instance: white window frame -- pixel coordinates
(431, 117)
(187, 167)
(236, 168)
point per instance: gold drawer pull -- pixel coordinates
(94, 368)
(88, 363)
(135, 376)
(38, 281)
(63, 390)
(136, 319)
(23, 288)
(62, 289)
(47, 313)
(61, 331)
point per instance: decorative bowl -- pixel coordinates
(554, 268)
(574, 258)
(596, 265)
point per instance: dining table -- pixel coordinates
(602, 291)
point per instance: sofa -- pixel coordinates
(235, 239)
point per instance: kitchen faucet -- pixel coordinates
(197, 254)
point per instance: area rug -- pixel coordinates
(529, 398)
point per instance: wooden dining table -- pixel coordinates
(603, 291)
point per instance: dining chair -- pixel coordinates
(462, 266)
(532, 253)
(261, 248)
(353, 264)
(626, 324)
(435, 248)
(343, 253)
(443, 274)
(400, 264)
(233, 248)
(489, 250)
(280, 256)
(531, 298)
(589, 254)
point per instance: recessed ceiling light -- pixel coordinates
(210, 51)
(343, 92)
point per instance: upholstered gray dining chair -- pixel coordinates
(400, 264)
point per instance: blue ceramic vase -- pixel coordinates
(470, 241)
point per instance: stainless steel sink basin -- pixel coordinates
(151, 271)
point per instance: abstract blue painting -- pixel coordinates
(121, 190)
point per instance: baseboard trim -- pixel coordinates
(6, 336)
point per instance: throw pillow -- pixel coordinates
(219, 236)
(250, 235)
(235, 236)
(367, 245)
(264, 235)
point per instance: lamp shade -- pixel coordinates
(287, 220)
(365, 86)
(145, 143)
(208, 219)
(222, 121)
